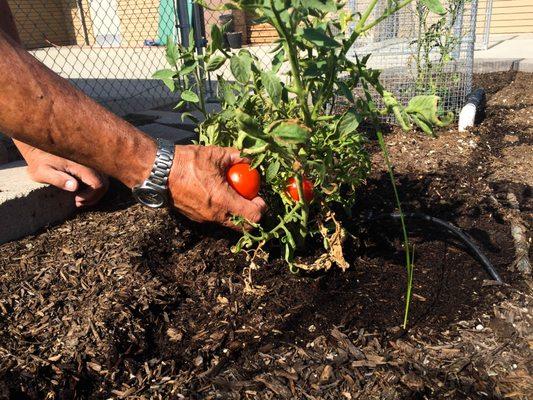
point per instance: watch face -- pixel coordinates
(149, 197)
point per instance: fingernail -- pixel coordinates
(70, 185)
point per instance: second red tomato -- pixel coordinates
(307, 185)
(244, 180)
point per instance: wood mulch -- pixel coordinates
(130, 303)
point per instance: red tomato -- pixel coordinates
(307, 186)
(244, 180)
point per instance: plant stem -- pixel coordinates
(408, 264)
(295, 67)
(268, 235)
(385, 15)
(305, 206)
(365, 15)
(327, 86)
(199, 82)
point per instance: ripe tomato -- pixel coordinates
(307, 185)
(244, 180)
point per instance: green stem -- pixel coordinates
(408, 264)
(268, 235)
(199, 82)
(365, 15)
(305, 206)
(327, 86)
(295, 67)
(385, 15)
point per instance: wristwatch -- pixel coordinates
(153, 192)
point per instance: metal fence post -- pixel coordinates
(183, 24)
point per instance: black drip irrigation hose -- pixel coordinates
(454, 231)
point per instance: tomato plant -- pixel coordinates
(282, 116)
(245, 180)
(307, 187)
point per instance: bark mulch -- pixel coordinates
(129, 303)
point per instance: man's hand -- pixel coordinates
(64, 174)
(199, 188)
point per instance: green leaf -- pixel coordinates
(349, 122)
(272, 85)
(321, 5)
(319, 38)
(392, 105)
(190, 96)
(272, 170)
(345, 91)
(191, 40)
(290, 132)
(226, 115)
(169, 83)
(434, 6)
(258, 159)
(277, 60)
(187, 67)
(164, 74)
(314, 69)
(422, 125)
(215, 62)
(216, 38)
(241, 68)
(189, 116)
(248, 124)
(250, 145)
(226, 91)
(426, 109)
(172, 53)
(180, 105)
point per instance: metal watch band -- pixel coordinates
(162, 164)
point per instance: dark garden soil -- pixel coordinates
(124, 302)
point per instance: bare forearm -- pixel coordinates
(39, 108)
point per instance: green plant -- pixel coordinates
(437, 43)
(282, 117)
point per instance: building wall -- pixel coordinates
(508, 16)
(139, 20)
(42, 22)
(80, 26)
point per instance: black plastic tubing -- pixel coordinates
(454, 231)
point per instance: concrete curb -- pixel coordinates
(526, 65)
(27, 206)
(487, 65)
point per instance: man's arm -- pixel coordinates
(40, 108)
(48, 168)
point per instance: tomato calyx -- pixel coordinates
(244, 180)
(307, 186)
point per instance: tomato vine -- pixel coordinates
(283, 118)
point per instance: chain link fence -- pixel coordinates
(107, 48)
(110, 48)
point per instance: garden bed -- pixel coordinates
(123, 301)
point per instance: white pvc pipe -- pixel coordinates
(475, 105)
